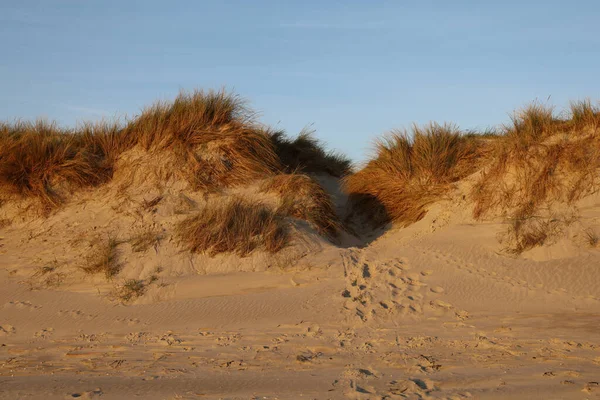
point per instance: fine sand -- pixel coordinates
(434, 311)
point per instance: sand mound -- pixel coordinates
(535, 179)
(190, 187)
(169, 278)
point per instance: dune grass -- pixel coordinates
(304, 198)
(591, 238)
(307, 154)
(410, 171)
(146, 239)
(537, 159)
(103, 258)
(235, 226)
(37, 158)
(542, 157)
(212, 133)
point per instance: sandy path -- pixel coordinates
(440, 321)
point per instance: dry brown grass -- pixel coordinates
(591, 238)
(146, 239)
(236, 226)
(48, 276)
(410, 172)
(304, 198)
(585, 115)
(39, 159)
(306, 154)
(130, 290)
(532, 232)
(212, 134)
(540, 160)
(103, 258)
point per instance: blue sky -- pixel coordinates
(352, 69)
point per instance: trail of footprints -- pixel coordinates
(382, 289)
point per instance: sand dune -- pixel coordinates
(439, 307)
(415, 314)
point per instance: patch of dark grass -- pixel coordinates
(103, 258)
(235, 226)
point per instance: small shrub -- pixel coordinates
(306, 154)
(187, 120)
(145, 240)
(48, 276)
(526, 234)
(304, 198)
(540, 159)
(37, 158)
(591, 237)
(531, 124)
(410, 172)
(104, 259)
(236, 226)
(585, 115)
(131, 290)
(214, 135)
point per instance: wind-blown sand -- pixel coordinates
(435, 310)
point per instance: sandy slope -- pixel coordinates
(431, 311)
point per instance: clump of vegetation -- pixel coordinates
(103, 258)
(304, 198)
(524, 235)
(212, 134)
(541, 159)
(306, 154)
(545, 157)
(591, 238)
(48, 276)
(411, 171)
(37, 158)
(585, 116)
(236, 226)
(130, 290)
(145, 240)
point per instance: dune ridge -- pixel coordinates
(192, 252)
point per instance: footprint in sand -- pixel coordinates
(170, 339)
(442, 304)
(137, 337)
(228, 340)
(129, 321)
(6, 330)
(591, 387)
(92, 394)
(44, 333)
(76, 314)
(21, 305)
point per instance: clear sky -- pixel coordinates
(352, 69)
